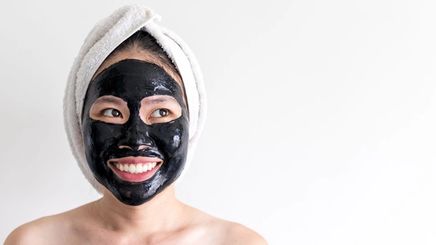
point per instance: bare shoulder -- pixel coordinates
(34, 232)
(234, 233)
(226, 232)
(46, 230)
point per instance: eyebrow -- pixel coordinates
(155, 101)
(160, 100)
(110, 100)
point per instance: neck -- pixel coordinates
(161, 213)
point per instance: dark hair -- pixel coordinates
(147, 42)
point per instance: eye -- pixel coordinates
(160, 113)
(111, 112)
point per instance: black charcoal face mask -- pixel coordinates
(134, 140)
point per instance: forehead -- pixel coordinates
(133, 79)
(137, 54)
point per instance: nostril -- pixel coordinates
(135, 141)
(125, 147)
(143, 147)
(138, 148)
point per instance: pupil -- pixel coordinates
(163, 112)
(115, 113)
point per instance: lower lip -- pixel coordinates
(134, 177)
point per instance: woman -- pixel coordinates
(134, 107)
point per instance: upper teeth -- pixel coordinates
(136, 168)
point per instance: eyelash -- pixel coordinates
(120, 115)
(166, 112)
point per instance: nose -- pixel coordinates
(137, 138)
(134, 148)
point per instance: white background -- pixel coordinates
(321, 126)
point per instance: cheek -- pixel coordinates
(172, 136)
(99, 136)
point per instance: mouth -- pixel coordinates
(135, 169)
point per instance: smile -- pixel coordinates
(135, 169)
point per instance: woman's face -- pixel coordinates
(135, 127)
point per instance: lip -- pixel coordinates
(134, 177)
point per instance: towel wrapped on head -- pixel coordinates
(98, 45)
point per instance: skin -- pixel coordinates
(162, 220)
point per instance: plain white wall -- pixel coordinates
(321, 126)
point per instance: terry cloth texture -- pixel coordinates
(106, 35)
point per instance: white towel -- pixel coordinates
(106, 35)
